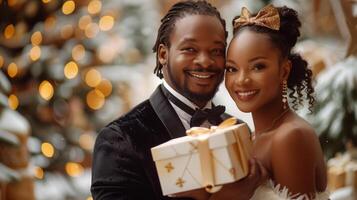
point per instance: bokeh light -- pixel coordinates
(92, 78)
(95, 99)
(46, 90)
(35, 53)
(86, 141)
(105, 86)
(13, 101)
(70, 70)
(12, 70)
(9, 31)
(94, 7)
(39, 173)
(78, 52)
(47, 149)
(68, 7)
(84, 21)
(36, 38)
(74, 169)
(91, 30)
(106, 23)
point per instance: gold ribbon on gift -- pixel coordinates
(202, 135)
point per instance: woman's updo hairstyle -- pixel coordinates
(300, 78)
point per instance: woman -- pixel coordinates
(259, 71)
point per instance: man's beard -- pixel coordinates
(202, 97)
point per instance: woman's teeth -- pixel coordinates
(246, 93)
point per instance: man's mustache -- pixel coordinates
(215, 70)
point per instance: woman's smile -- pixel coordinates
(246, 95)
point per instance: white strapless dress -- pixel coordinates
(270, 192)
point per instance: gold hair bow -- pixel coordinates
(267, 17)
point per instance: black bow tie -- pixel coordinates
(198, 115)
(212, 115)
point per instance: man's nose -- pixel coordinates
(204, 59)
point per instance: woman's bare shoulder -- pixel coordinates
(296, 153)
(295, 130)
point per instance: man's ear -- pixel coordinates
(163, 54)
(286, 68)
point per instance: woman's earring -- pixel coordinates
(285, 95)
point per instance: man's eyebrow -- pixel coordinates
(187, 39)
(220, 43)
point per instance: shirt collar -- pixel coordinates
(184, 99)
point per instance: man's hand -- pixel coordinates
(244, 188)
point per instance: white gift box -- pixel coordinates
(217, 157)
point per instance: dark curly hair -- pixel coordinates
(178, 11)
(285, 39)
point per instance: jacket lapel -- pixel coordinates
(166, 114)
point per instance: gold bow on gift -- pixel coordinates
(196, 131)
(267, 17)
(204, 152)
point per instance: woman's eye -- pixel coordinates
(231, 69)
(258, 67)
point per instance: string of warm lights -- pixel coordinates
(101, 88)
(90, 29)
(63, 53)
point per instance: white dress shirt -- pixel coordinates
(185, 117)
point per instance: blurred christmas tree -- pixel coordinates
(16, 179)
(53, 52)
(335, 114)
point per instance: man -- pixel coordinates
(190, 50)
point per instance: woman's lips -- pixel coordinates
(246, 95)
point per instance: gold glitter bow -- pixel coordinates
(267, 17)
(196, 131)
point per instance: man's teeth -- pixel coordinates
(201, 76)
(246, 93)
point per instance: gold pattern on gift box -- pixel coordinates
(169, 167)
(180, 182)
(231, 171)
(193, 149)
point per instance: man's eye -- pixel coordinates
(189, 49)
(231, 69)
(218, 52)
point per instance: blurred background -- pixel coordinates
(69, 67)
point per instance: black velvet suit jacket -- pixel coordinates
(123, 167)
